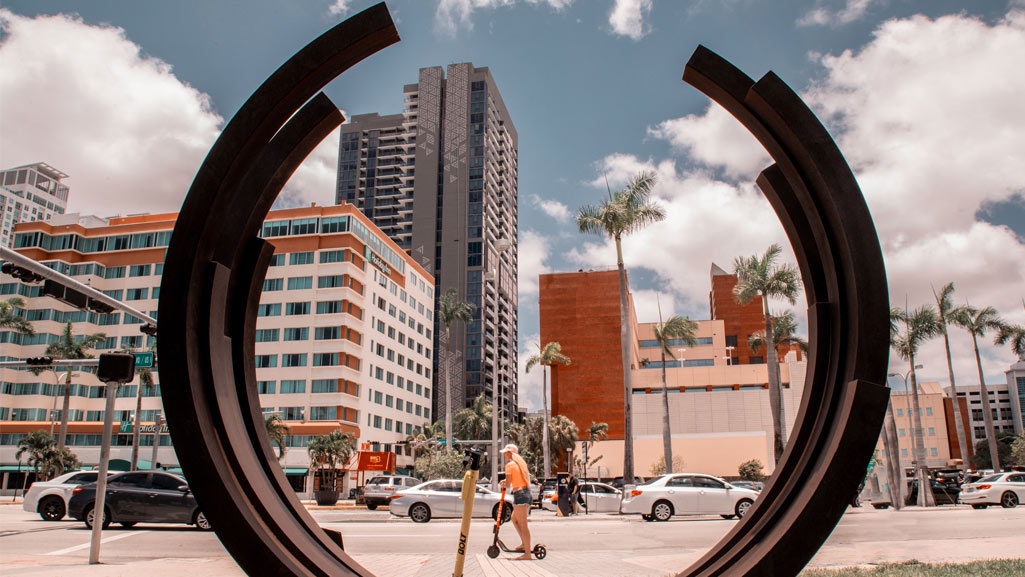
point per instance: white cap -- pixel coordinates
(510, 448)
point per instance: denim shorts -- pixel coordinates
(522, 497)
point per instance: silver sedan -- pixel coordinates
(443, 498)
(687, 494)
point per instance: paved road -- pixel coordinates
(596, 545)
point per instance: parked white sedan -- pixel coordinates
(1004, 489)
(50, 498)
(443, 498)
(687, 494)
(595, 497)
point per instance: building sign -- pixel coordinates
(376, 260)
(126, 427)
(375, 461)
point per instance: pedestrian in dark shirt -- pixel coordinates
(573, 485)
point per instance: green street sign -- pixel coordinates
(143, 360)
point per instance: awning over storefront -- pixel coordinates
(296, 471)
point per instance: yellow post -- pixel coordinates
(472, 460)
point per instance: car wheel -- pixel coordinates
(90, 516)
(506, 513)
(1008, 500)
(727, 516)
(881, 505)
(662, 510)
(372, 507)
(979, 506)
(128, 524)
(51, 508)
(420, 513)
(201, 521)
(742, 507)
(647, 517)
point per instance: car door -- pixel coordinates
(600, 499)
(483, 502)
(126, 496)
(1017, 483)
(166, 503)
(447, 500)
(682, 493)
(713, 496)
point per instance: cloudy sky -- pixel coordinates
(924, 99)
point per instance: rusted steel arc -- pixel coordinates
(209, 304)
(825, 216)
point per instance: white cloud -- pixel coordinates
(627, 18)
(314, 181)
(553, 208)
(852, 11)
(453, 14)
(715, 139)
(533, 250)
(85, 100)
(530, 384)
(707, 220)
(647, 303)
(928, 119)
(340, 7)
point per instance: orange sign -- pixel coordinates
(376, 461)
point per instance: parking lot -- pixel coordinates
(592, 545)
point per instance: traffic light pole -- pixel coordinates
(101, 477)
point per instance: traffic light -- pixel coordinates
(39, 361)
(70, 296)
(116, 367)
(20, 273)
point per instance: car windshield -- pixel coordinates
(378, 481)
(649, 481)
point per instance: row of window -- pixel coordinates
(83, 244)
(398, 404)
(932, 432)
(928, 412)
(396, 426)
(331, 333)
(300, 360)
(76, 390)
(89, 440)
(676, 364)
(698, 341)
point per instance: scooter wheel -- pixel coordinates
(540, 551)
(493, 551)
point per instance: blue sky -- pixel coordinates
(923, 98)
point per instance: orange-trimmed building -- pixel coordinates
(344, 337)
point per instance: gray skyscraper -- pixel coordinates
(441, 180)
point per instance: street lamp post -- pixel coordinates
(53, 410)
(729, 355)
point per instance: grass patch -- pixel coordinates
(993, 568)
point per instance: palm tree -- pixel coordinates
(919, 325)
(145, 380)
(784, 334)
(277, 430)
(946, 310)
(547, 356)
(10, 319)
(596, 432)
(37, 445)
(451, 310)
(474, 422)
(977, 322)
(563, 438)
(1014, 334)
(327, 452)
(760, 276)
(625, 211)
(68, 346)
(674, 331)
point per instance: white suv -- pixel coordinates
(378, 490)
(50, 498)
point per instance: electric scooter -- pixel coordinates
(539, 550)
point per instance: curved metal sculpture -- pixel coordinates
(824, 214)
(211, 288)
(216, 262)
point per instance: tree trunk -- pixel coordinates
(894, 475)
(987, 413)
(65, 408)
(137, 426)
(925, 496)
(775, 389)
(544, 424)
(627, 349)
(448, 390)
(963, 442)
(667, 438)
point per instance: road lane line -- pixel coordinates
(86, 545)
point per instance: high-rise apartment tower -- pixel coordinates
(29, 193)
(441, 180)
